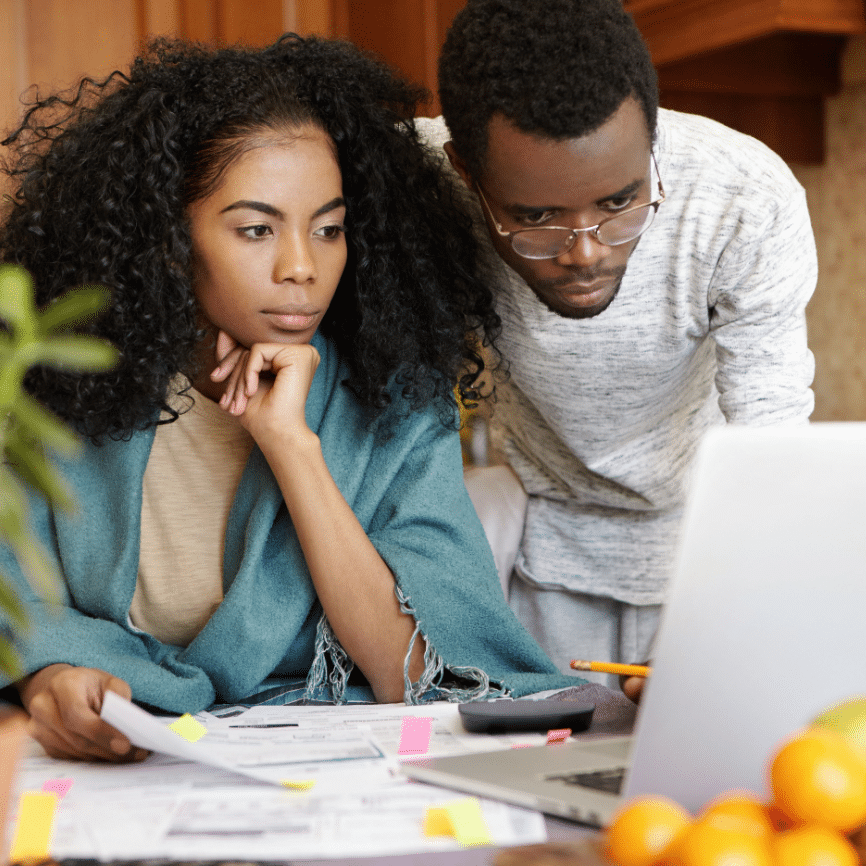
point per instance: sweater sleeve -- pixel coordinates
(764, 279)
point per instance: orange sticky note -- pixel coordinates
(188, 728)
(468, 823)
(298, 784)
(437, 822)
(33, 828)
(558, 735)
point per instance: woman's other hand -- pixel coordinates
(64, 704)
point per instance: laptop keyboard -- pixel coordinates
(610, 780)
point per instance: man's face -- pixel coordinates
(531, 181)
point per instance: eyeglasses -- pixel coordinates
(548, 242)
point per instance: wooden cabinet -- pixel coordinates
(763, 67)
(53, 43)
(676, 29)
(406, 33)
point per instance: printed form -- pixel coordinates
(268, 783)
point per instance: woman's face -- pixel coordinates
(269, 243)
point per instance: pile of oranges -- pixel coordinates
(818, 782)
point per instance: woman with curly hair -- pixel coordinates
(270, 505)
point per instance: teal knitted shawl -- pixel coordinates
(401, 475)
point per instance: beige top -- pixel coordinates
(193, 472)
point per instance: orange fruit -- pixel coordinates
(739, 810)
(708, 844)
(819, 778)
(858, 840)
(642, 832)
(813, 845)
(779, 819)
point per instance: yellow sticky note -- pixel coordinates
(436, 822)
(298, 784)
(469, 825)
(33, 829)
(188, 728)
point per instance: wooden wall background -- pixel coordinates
(52, 43)
(836, 192)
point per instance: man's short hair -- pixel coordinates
(555, 68)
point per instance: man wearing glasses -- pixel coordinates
(651, 270)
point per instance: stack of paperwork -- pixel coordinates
(268, 783)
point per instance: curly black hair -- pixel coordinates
(104, 176)
(557, 68)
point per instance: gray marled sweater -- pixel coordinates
(601, 417)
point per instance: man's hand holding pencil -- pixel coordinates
(631, 677)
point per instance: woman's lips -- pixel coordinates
(292, 321)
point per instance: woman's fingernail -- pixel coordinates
(121, 747)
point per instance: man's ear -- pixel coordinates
(458, 164)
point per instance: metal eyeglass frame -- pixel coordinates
(575, 232)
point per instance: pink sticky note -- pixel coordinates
(415, 735)
(558, 735)
(58, 786)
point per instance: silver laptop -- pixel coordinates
(765, 626)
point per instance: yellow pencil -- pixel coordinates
(612, 668)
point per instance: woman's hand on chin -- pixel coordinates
(228, 353)
(266, 385)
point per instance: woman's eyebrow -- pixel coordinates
(270, 210)
(261, 206)
(333, 204)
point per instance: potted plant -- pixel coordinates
(30, 337)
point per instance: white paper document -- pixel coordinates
(223, 797)
(268, 752)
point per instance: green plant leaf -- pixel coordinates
(39, 422)
(30, 464)
(13, 506)
(74, 307)
(77, 352)
(12, 373)
(40, 571)
(27, 428)
(11, 605)
(16, 296)
(10, 661)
